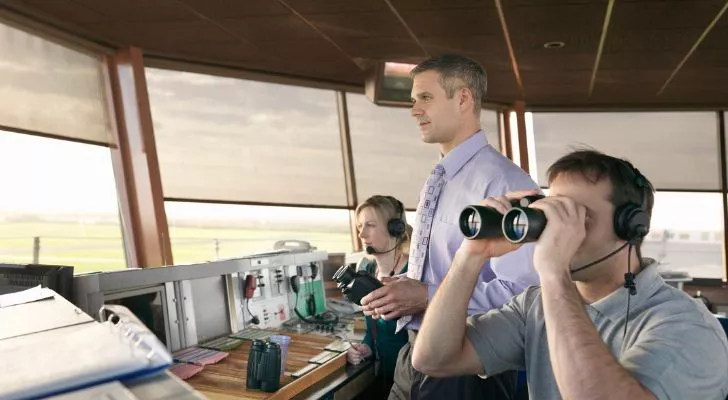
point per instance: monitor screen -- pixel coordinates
(397, 77)
(148, 305)
(389, 83)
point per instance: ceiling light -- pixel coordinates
(554, 45)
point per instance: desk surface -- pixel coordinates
(226, 380)
(346, 383)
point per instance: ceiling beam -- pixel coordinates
(317, 30)
(605, 29)
(406, 27)
(692, 49)
(217, 25)
(509, 44)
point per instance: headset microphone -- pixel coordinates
(371, 250)
(593, 263)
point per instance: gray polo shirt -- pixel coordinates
(674, 346)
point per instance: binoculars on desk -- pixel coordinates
(520, 224)
(264, 366)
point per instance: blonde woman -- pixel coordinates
(385, 234)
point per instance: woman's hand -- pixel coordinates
(357, 352)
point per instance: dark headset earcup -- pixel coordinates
(631, 222)
(396, 227)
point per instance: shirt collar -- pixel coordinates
(647, 281)
(462, 153)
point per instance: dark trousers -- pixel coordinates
(412, 384)
(377, 390)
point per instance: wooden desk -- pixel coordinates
(344, 384)
(227, 379)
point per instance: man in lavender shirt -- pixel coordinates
(446, 101)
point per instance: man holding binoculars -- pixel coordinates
(603, 323)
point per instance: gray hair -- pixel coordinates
(453, 70)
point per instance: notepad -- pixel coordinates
(303, 371)
(338, 346)
(323, 357)
(186, 371)
(74, 359)
(252, 334)
(222, 344)
(199, 356)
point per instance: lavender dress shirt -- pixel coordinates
(475, 170)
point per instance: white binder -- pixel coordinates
(120, 348)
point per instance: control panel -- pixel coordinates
(273, 295)
(265, 297)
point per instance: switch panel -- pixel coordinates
(270, 301)
(277, 282)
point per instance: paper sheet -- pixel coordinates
(25, 296)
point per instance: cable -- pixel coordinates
(629, 284)
(253, 319)
(593, 263)
(247, 306)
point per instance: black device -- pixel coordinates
(17, 277)
(355, 284)
(269, 369)
(396, 227)
(523, 224)
(477, 222)
(254, 356)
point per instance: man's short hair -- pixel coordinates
(595, 166)
(457, 72)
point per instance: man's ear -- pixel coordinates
(466, 97)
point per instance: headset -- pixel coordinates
(396, 227)
(631, 224)
(631, 221)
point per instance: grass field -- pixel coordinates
(97, 247)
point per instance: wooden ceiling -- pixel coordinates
(622, 54)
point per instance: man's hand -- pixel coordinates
(399, 296)
(564, 233)
(495, 247)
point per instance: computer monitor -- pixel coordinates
(148, 305)
(389, 83)
(17, 277)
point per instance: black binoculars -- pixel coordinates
(264, 366)
(520, 224)
(355, 284)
